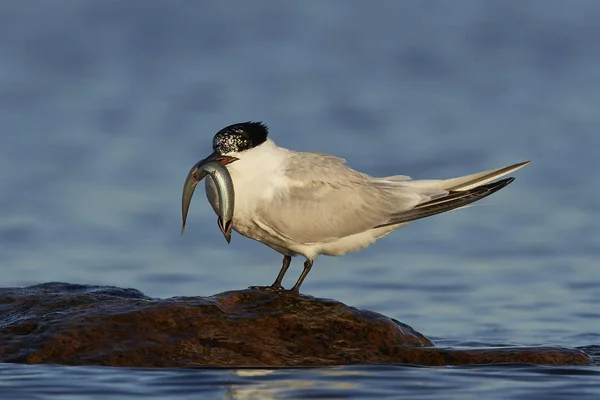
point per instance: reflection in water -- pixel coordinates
(368, 382)
(276, 388)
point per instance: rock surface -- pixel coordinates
(68, 324)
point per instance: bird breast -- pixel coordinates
(254, 187)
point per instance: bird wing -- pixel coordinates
(461, 191)
(454, 199)
(327, 200)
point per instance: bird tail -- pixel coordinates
(461, 192)
(468, 182)
(452, 201)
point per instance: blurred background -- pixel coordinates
(105, 105)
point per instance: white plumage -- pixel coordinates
(310, 204)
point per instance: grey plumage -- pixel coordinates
(311, 204)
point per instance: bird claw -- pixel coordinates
(269, 289)
(275, 288)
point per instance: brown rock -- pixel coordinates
(89, 325)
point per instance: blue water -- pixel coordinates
(104, 106)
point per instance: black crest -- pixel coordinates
(240, 137)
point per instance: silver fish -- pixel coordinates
(215, 167)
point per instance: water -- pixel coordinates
(388, 382)
(104, 106)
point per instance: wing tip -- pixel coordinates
(493, 187)
(506, 181)
(464, 198)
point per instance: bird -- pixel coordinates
(310, 204)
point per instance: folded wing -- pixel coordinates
(327, 200)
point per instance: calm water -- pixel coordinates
(104, 106)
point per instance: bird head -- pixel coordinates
(228, 145)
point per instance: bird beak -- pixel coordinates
(192, 180)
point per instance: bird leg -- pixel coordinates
(284, 267)
(307, 266)
(276, 286)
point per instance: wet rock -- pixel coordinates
(89, 325)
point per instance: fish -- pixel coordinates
(224, 185)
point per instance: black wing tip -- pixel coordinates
(457, 199)
(495, 186)
(503, 182)
(474, 194)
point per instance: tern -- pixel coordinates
(311, 204)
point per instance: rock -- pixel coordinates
(68, 324)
